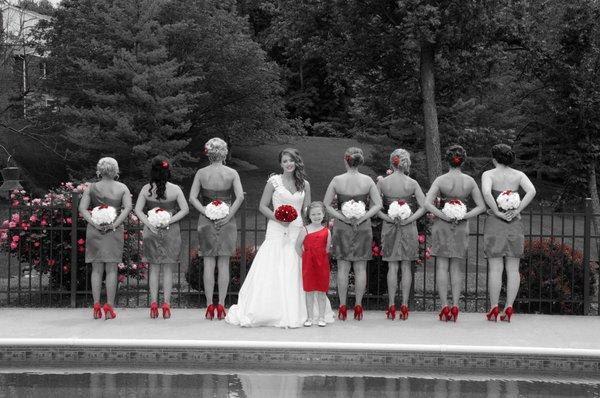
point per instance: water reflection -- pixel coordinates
(262, 385)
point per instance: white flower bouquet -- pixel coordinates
(508, 200)
(104, 215)
(354, 209)
(455, 209)
(399, 209)
(159, 218)
(216, 210)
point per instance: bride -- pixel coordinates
(272, 293)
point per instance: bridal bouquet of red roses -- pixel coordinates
(286, 213)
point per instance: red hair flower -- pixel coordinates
(456, 160)
(396, 160)
(348, 158)
(205, 151)
(164, 164)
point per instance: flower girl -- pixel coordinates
(313, 246)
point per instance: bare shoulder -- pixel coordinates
(174, 187)
(306, 184)
(145, 190)
(487, 173)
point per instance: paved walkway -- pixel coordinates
(534, 334)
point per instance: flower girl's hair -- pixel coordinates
(314, 205)
(107, 167)
(400, 160)
(216, 149)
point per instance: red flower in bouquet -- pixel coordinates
(376, 250)
(507, 192)
(401, 202)
(286, 213)
(455, 202)
(216, 202)
(103, 206)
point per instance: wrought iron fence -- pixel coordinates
(45, 265)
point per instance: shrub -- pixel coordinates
(555, 272)
(193, 275)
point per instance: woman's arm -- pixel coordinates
(328, 248)
(84, 204)
(184, 209)
(530, 192)
(235, 206)
(328, 200)
(432, 194)
(194, 191)
(420, 196)
(478, 198)
(375, 200)
(380, 213)
(265, 199)
(300, 241)
(127, 206)
(139, 209)
(307, 199)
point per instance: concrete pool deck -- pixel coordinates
(534, 343)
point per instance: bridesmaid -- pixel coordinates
(216, 239)
(503, 234)
(352, 238)
(162, 246)
(104, 244)
(450, 238)
(399, 238)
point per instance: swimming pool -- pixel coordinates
(250, 384)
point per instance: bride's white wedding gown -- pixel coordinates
(272, 293)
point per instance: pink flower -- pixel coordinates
(427, 253)
(15, 217)
(388, 172)
(14, 245)
(81, 242)
(12, 224)
(5, 223)
(36, 202)
(15, 202)
(4, 236)
(33, 218)
(16, 238)
(25, 226)
(421, 238)
(51, 262)
(44, 222)
(121, 278)
(68, 220)
(65, 269)
(121, 266)
(26, 198)
(36, 243)
(134, 266)
(12, 196)
(379, 178)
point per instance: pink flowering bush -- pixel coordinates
(38, 232)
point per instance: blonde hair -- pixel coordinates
(354, 157)
(107, 167)
(403, 163)
(314, 205)
(216, 149)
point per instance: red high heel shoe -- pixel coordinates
(210, 312)
(109, 313)
(221, 312)
(444, 314)
(493, 314)
(508, 311)
(454, 313)
(403, 312)
(342, 312)
(391, 312)
(358, 312)
(154, 310)
(97, 311)
(166, 310)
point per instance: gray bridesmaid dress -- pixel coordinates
(165, 247)
(104, 247)
(449, 239)
(350, 244)
(502, 238)
(399, 242)
(213, 241)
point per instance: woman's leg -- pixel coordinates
(167, 270)
(97, 272)
(360, 280)
(321, 297)
(343, 270)
(392, 281)
(310, 303)
(442, 279)
(406, 281)
(112, 274)
(209, 278)
(457, 280)
(153, 277)
(223, 265)
(495, 267)
(513, 280)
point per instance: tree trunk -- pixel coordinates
(593, 190)
(430, 119)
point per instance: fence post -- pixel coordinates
(243, 243)
(587, 237)
(74, 260)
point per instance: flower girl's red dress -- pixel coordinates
(315, 261)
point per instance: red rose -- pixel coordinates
(401, 202)
(159, 209)
(456, 160)
(455, 202)
(205, 151)
(36, 244)
(507, 192)
(164, 164)
(286, 213)
(216, 202)
(51, 262)
(103, 206)
(396, 160)
(81, 242)
(348, 158)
